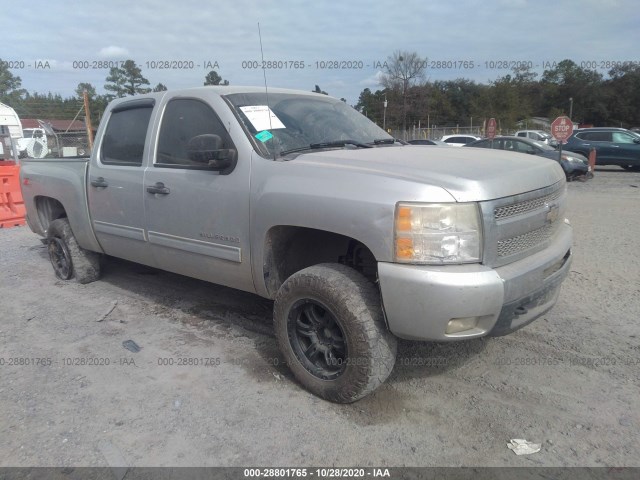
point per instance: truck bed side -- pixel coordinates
(55, 188)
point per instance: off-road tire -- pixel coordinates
(352, 303)
(69, 259)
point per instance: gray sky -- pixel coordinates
(362, 34)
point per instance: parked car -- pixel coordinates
(429, 142)
(573, 164)
(459, 140)
(614, 146)
(539, 135)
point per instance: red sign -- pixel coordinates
(562, 128)
(491, 128)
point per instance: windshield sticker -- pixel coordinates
(263, 136)
(258, 115)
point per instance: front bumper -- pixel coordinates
(420, 301)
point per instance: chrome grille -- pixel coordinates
(526, 206)
(521, 243)
(520, 225)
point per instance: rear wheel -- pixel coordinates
(67, 257)
(330, 328)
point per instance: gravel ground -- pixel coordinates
(208, 387)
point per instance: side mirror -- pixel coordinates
(206, 149)
(636, 140)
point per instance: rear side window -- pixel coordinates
(124, 137)
(595, 136)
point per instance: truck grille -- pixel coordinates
(526, 206)
(526, 241)
(518, 226)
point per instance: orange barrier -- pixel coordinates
(12, 210)
(592, 160)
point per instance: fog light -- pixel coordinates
(457, 325)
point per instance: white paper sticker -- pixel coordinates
(258, 115)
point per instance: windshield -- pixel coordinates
(294, 122)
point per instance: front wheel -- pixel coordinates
(67, 257)
(633, 168)
(331, 331)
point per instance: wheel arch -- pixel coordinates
(289, 249)
(48, 209)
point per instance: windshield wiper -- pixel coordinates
(339, 143)
(336, 143)
(389, 141)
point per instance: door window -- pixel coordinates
(125, 135)
(187, 124)
(595, 136)
(622, 137)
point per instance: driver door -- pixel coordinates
(197, 218)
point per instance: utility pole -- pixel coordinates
(384, 114)
(571, 108)
(87, 117)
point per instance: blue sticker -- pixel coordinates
(263, 136)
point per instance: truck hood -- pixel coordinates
(468, 174)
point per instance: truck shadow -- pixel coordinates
(218, 311)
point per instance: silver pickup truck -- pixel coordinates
(297, 197)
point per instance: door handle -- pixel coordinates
(99, 182)
(159, 189)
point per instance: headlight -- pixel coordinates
(569, 158)
(437, 233)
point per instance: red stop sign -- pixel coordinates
(562, 128)
(491, 128)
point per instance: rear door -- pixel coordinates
(115, 182)
(198, 218)
(602, 143)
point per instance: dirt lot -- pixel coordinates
(208, 386)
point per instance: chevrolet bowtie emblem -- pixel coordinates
(553, 213)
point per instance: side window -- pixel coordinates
(495, 144)
(124, 137)
(595, 136)
(522, 134)
(510, 145)
(185, 119)
(524, 148)
(621, 137)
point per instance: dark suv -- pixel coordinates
(614, 146)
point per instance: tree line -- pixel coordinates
(566, 88)
(411, 98)
(120, 82)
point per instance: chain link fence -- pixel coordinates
(39, 143)
(435, 133)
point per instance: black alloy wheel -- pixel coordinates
(317, 339)
(60, 258)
